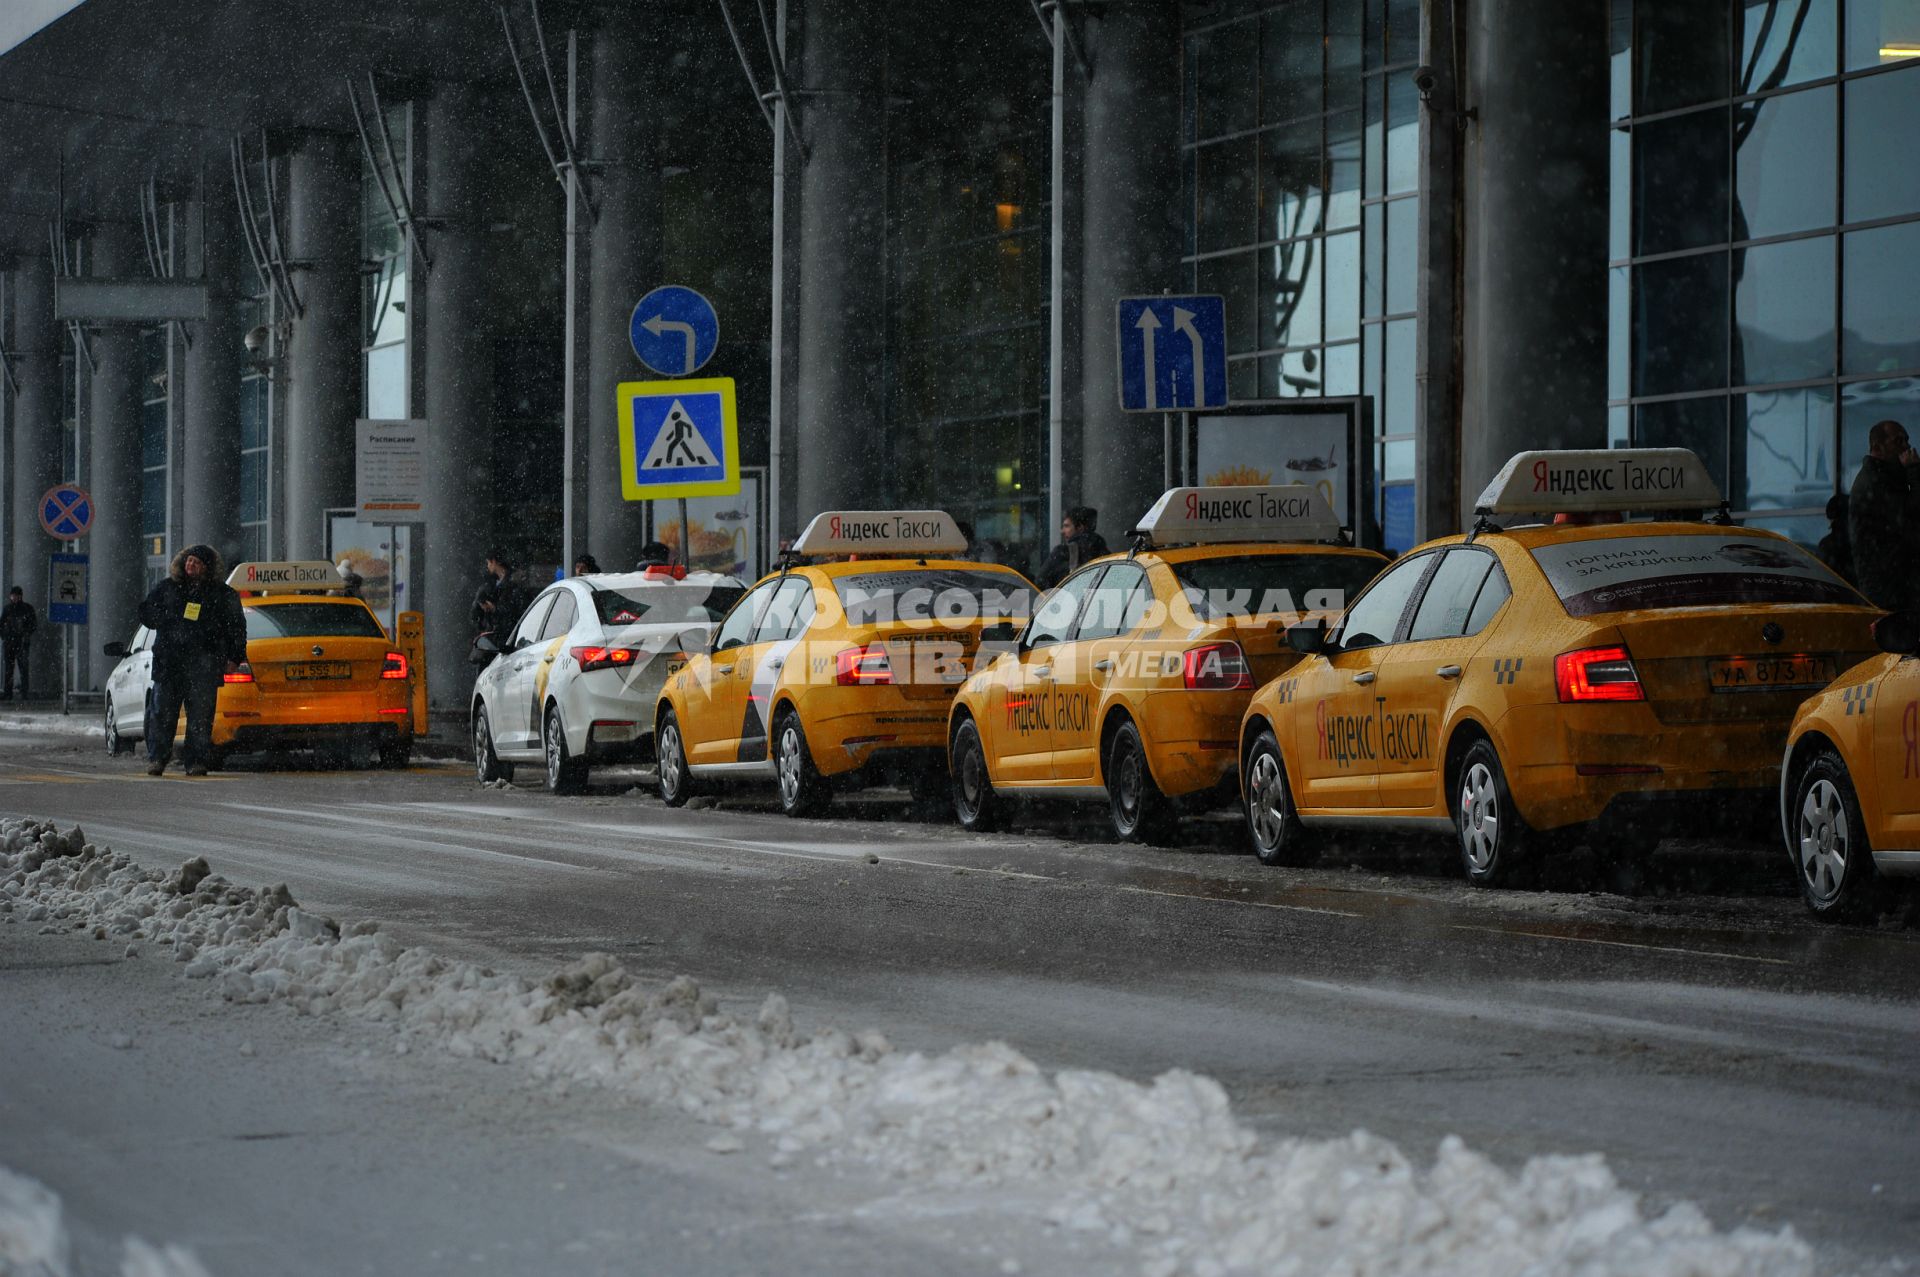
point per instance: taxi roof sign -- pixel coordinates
(1597, 479)
(312, 577)
(1200, 516)
(911, 532)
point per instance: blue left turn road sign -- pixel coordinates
(674, 330)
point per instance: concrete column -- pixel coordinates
(1131, 239)
(210, 464)
(624, 135)
(34, 465)
(1536, 252)
(456, 354)
(843, 264)
(323, 376)
(116, 566)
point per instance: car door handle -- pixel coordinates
(774, 665)
(723, 669)
(1448, 671)
(1043, 671)
(1103, 666)
(1364, 676)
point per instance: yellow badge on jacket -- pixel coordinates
(193, 611)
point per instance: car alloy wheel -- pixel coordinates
(115, 744)
(973, 796)
(565, 774)
(803, 791)
(1479, 818)
(1828, 840)
(1274, 826)
(487, 766)
(1824, 840)
(671, 760)
(1139, 810)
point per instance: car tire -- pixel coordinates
(670, 750)
(487, 766)
(975, 804)
(1827, 839)
(1493, 839)
(1273, 822)
(565, 773)
(1140, 812)
(116, 743)
(803, 790)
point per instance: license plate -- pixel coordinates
(1770, 673)
(311, 670)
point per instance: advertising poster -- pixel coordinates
(1321, 446)
(723, 533)
(379, 554)
(1623, 573)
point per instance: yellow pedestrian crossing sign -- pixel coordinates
(678, 438)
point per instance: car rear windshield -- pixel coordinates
(312, 620)
(1713, 568)
(665, 604)
(1255, 584)
(951, 595)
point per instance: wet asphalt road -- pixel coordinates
(1710, 1039)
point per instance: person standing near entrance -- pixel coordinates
(1079, 543)
(18, 621)
(199, 636)
(1883, 519)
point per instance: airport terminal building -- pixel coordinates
(232, 235)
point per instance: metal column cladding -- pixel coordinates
(34, 463)
(323, 373)
(455, 349)
(118, 561)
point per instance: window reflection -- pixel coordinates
(1881, 31)
(1783, 42)
(1292, 194)
(1784, 448)
(1290, 308)
(1290, 42)
(1881, 330)
(1865, 402)
(1783, 164)
(1783, 311)
(1226, 180)
(1681, 185)
(1882, 178)
(1682, 53)
(1680, 324)
(1699, 424)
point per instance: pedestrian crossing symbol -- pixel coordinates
(678, 439)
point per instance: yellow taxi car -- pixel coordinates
(1130, 682)
(1526, 687)
(321, 672)
(1850, 778)
(835, 674)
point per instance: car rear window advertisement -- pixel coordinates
(311, 620)
(1274, 584)
(1709, 569)
(665, 604)
(944, 595)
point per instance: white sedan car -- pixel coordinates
(129, 691)
(576, 681)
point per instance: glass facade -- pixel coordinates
(1302, 160)
(383, 287)
(153, 433)
(256, 449)
(1765, 240)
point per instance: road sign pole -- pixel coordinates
(686, 539)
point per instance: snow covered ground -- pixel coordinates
(83, 724)
(34, 1243)
(1163, 1170)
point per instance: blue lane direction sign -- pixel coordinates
(1173, 353)
(67, 589)
(674, 330)
(66, 511)
(678, 439)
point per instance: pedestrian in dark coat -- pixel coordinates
(1079, 543)
(1836, 548)
(1883, 519)
(199, 637)
(18, 621)
(499, 602)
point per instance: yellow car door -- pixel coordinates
(1337, 742)
(1087, 666)
(716, 696)
(763, 660)
(1896, 751)
(1424, 674)
(1022, 735)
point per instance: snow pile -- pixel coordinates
(1164, 1167)
(52, 724)
(33, 1238)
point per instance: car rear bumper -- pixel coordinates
(260, 737)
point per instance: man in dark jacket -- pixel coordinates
(199, 636)
(1079, 543)
(17, 624)
(1883, 519)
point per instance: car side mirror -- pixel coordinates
(118, 651)
(1001, 632)
(1898, 632)
(485, 643)
(694, 642)
(1308, 636)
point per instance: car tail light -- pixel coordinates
(1597, 674)
(243, 673)
(1217, 667)
(863, 667)
(604, 658)
(396, 666)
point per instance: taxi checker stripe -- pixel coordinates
(1506, 669)
(1856, 698)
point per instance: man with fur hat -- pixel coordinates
(199, 635)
